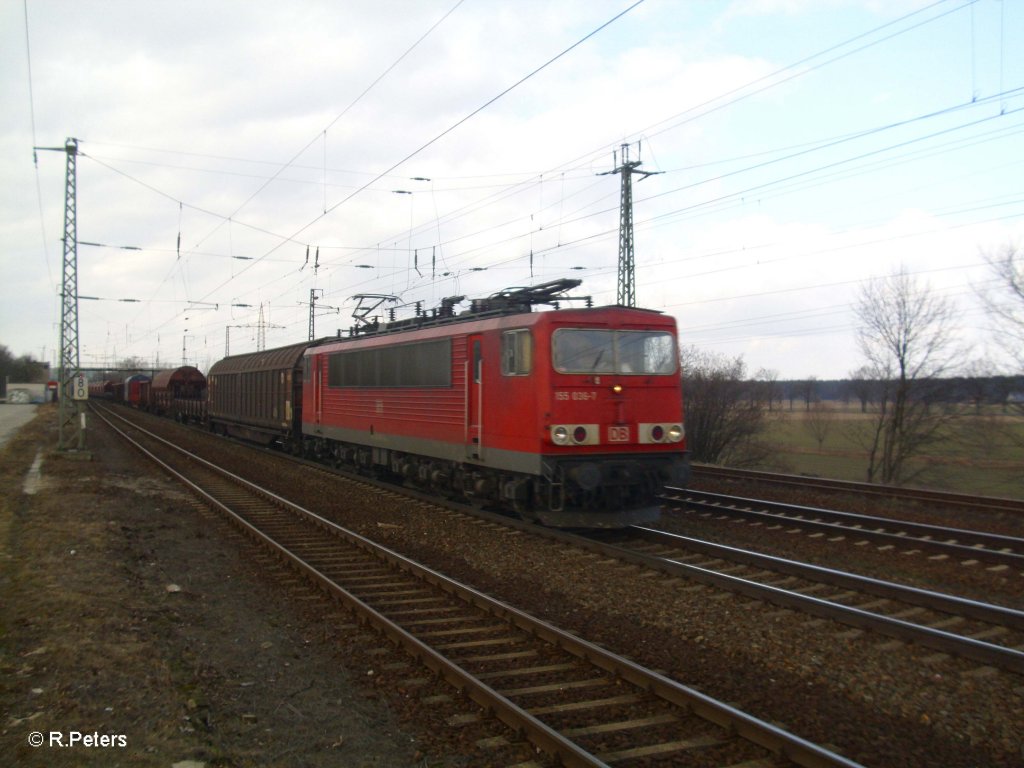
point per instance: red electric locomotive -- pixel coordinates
(572, 417)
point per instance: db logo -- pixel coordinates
(618, 434)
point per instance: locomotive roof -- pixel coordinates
(474, 323)
(512, 307)
(509, 301)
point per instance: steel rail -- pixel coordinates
(996, 503)
(937, 639)
(1010, 549)
(770, 737)
(938, 601)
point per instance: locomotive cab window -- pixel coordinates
(516, 353)
(593, 350)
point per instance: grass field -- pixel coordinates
(980, 453)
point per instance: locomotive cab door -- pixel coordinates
(474, 397)
(317, 382)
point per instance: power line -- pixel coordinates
(477, 111)
(35, 156)
(344, 112)
(805, 60)
(675, 213)
(561, 245)
(224, 220)
(452, 127)
(819, 54)
(378, 176)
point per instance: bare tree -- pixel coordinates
(862, 386)
(768, 386)
(22, 369)
(809, 391)
(906, 338)
(819, 421)
(1005, 302)
(724, 417)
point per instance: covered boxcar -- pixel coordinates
(109, 389)
(136, 389)
(179, 393)
(258, 396)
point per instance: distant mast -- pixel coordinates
(626, 292)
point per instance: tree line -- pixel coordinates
(23, 370)
(913, 377)
(999, 390)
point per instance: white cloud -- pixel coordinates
(205, 102)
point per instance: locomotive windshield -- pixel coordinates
(593, 350)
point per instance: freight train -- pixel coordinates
(571, 417)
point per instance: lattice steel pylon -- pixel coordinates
(626, 291)
(71, 434)
(314, 294)
(261, 332)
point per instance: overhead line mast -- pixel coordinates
(69, 422)
(72, 388)
(626, 291)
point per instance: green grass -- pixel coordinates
(980, 453)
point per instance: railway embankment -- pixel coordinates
(235, 662)
(135, 631)
(12, 418)
(880, 702)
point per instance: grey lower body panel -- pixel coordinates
(574, 490)
(459, 453)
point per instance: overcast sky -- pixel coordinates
(437, 148)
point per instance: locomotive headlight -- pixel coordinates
(617, 389)
(660, 433)
(575, 434)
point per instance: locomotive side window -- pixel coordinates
(591, 350)
(424, 364)
(516, 353)
(478, 361)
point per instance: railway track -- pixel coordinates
(944, 498)
(575, 701)
(953, 543)
(988, 634)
